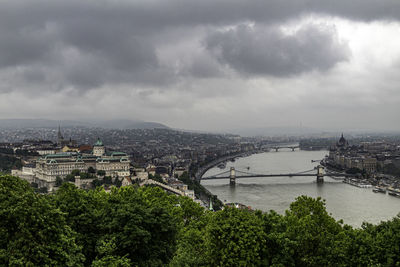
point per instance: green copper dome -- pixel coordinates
(98, 142)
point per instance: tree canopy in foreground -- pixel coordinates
(147, 227)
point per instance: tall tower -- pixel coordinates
(60, 138)
(98, 148)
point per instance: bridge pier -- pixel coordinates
(293, 148)
(232, 177)
(276, 149)
(320, 174)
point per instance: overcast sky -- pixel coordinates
(203, 65)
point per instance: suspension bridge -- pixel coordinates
(279, 147)
(234, 174)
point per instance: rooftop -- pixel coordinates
(98, 142)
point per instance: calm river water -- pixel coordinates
(352, 204)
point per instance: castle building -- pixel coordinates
(98, 148)
(48, 167)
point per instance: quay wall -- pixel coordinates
(202, 170)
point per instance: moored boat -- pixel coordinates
(358, 183)
(394, 191)
(379, 189)
(222, 165)
(238, 206)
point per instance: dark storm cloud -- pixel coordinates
(268, 51)
(83, 45)
(22, 46)
(86, 44)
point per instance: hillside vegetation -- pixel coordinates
(146, 227)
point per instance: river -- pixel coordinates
(343, 201)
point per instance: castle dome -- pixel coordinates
(98, 142)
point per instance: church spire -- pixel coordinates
(60, 138)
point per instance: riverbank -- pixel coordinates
(203, 193)
(203, 169)
(350, 203)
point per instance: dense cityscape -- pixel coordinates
(123, 157)
(223, 133)
(142, 161)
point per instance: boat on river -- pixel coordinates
(222, 165)
(238, 206)
(358, 183)
(393, 191)
(379, 189)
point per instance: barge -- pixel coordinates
(394, 191)
(358, 183)
(379, 189)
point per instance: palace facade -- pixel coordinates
(48, 167)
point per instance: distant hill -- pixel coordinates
(110, 124)
(275, 131)
(36, 123)
(128, 124)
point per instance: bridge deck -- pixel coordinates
(276, 175)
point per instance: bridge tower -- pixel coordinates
(232, 176)
(320, 174)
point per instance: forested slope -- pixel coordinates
(147, 227)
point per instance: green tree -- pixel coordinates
(24, 152)
(91, 170)
(107, 256)
(42, 190)
(145, 233)
(382, 242)
(70, 178)
(157, 178)
(235, 237)
(84, 175)
(391, 169)
(75, 172)
(200, 191)
(107, 180)
(101, 173)
(354, 170)
(8, 162)
(59, 181)
(191, 246)
(84, 214)
(4, 150)
(97, 183)
(33, 232)
(118, 182)
(313, 237)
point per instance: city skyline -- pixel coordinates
(208, 65)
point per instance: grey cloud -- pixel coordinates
(116, 40)
(22, 46)
(262, 50)
(204, 68)
(107, 47)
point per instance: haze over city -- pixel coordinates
(203, 65)
(199, 133)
